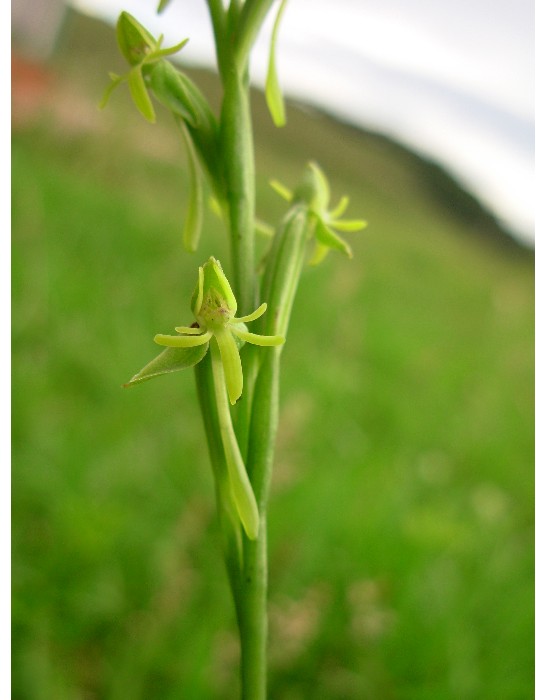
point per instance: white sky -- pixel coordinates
(453, 79)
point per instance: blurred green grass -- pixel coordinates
(401, 517)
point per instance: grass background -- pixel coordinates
(401, 542)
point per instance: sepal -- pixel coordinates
(170, 360)
(327, 237)
(135, 42)
(215, 286)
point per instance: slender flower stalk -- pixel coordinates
(237, 371)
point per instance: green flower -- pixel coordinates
(140, 49)
(214, 307)
(217, 328)
(314, 193)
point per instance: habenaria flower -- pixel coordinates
(314, 193)
(214, 307)
(141, 50)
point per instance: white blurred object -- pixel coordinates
(35, 25)
(452, 80)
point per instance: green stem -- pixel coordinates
(238, 156)
(281, 280)
(260, 398)
(252, 616)
(251, 19)
(217, 16)
(239, 168)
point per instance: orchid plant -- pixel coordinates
(237, 370)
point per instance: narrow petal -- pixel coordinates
(265, 340)
(322, 185)
(281, 190)
(199, 300)
(182, 341)
(339, 209)
(188, 330)
(252, 316)
(160, 53)
(319, 254)
(232, 367)
(326, 236)
(348, 224)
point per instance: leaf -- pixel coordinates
(274, 97)
(194, 216)
(170, 360)
(139, 94)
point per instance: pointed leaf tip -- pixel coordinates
(170, 360)
(274, 97)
